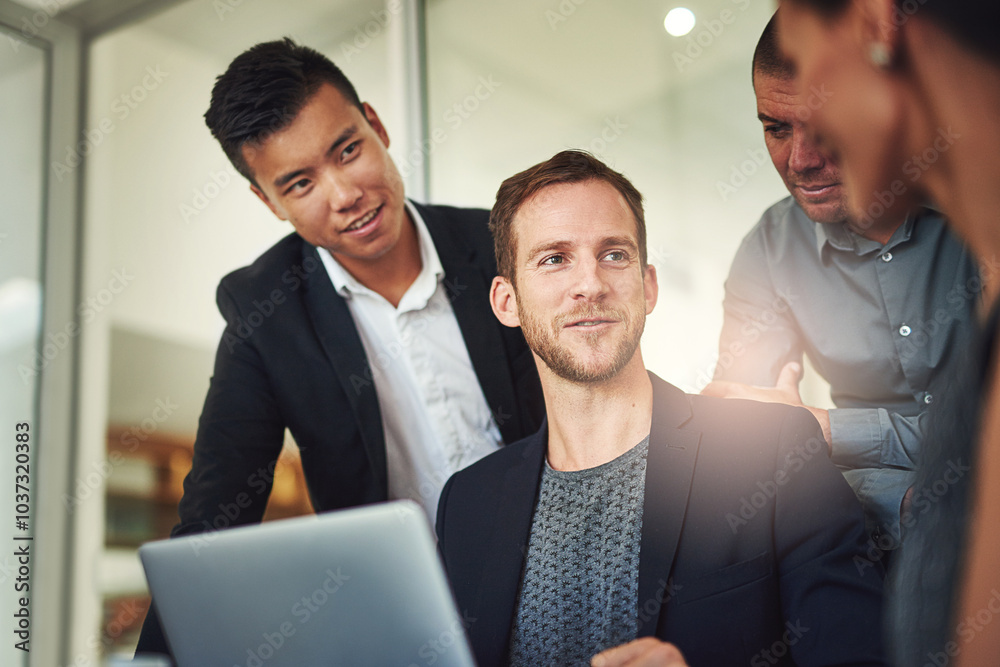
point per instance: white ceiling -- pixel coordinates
(533, 41)
(200, 25)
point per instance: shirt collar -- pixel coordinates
(840, 237)
(431, 271)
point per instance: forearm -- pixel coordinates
(240, 436)
(750, 355)
(823, 418)
(874, 438)
(759, 335)
(881, 492)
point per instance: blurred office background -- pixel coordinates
(121, 214)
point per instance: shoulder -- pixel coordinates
(487, 487)
(764, 431)
(458, 232)
(491, 469)
(783, 238)
(779, 213)
(750, 418)
(481, 484)
(470, 224)
(453, 215)
(282, 266)
(783, 228)
(728, 420)
(931, 228)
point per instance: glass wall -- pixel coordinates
(23, 93)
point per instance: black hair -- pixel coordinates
(263, 91)
(768, 59)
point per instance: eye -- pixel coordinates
(350, 150)
(553, 260)
(298, 186)
(777, 131)
(616, 256)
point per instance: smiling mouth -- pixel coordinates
(589, 323)
(364, 220)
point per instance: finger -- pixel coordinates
(790, 375)
(619, 655)
(663, 655)
(625, 654)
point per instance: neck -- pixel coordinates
(591, 424)
(880, 232)
(391, 274)
(961, 90)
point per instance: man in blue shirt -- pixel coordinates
(879, 305)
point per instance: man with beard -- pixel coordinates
(639, 515)
(881, 306)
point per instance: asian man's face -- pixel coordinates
(330, 175)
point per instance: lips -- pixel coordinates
(818, 190)
(589, 323)
(363, 221)
(588, 319)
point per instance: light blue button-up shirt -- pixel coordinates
(883, 325)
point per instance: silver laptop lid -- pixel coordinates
(357, 587)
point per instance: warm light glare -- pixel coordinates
(679, 21)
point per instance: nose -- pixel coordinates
(590, 282)
(342, 192)
(805, 155)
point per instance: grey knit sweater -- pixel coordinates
(579, 587)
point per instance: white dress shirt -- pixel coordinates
(434, 414)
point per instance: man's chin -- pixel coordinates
(585, 375)
(580, 370)
(826, 212)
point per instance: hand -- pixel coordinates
(904, 505)
(785, 390)
(645, 652)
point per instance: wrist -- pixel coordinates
(823, 417)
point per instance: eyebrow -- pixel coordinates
(348, 132)
(548, 246)
(764, 118)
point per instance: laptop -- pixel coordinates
(357, 587)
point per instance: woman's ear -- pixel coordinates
(878, 26)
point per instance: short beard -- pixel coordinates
(562, 362)
(838, 214)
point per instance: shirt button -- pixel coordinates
(887, 257)
(904, 330)
(928, 399)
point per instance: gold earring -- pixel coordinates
(879, 54)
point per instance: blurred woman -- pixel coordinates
(912, 113)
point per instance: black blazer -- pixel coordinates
(291, 357)
(752, 545)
